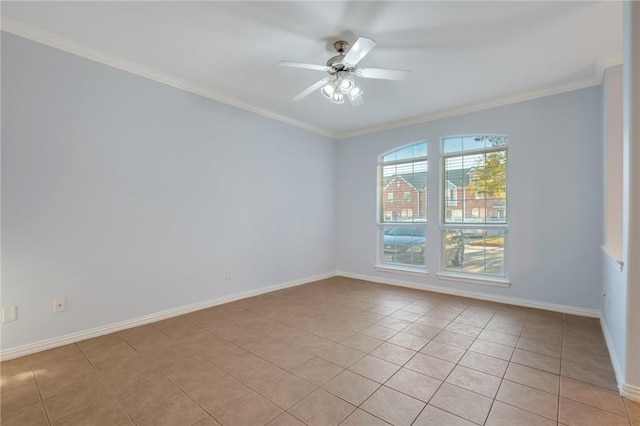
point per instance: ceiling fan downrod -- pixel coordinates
(336, 62)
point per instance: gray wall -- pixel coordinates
(130, 197)
(555, 197)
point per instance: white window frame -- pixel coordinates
(444, 273)
(380, 264)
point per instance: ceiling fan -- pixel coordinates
(342, 69)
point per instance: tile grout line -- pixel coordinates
(401, 366)
(458, 362)
(35, 379)
(445, 379)
(537, 414)
(466, 350)
(359, 310)
(154, 366)
(493, 400)
(182, 390)
(104, 382)
(368, 353)
(417, 352)
(226, 373)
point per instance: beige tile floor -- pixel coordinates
(337, 351)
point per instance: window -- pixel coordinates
(402, 226)
(474, 228)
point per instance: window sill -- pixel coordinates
(614, 256)
(403, 270)
(475, 279)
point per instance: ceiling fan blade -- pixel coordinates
(309, 90)
(358, 51)
(382, 74)
(358, 101)
(303, 65)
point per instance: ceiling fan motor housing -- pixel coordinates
(336, 62)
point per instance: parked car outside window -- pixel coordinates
(406, 245)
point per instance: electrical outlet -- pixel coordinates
(9, 313)
(59, 304)
(229, 274)
(370, 260)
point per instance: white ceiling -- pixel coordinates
(463, 55)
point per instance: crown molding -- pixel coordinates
(52, 40)
(522, 97)
(596, 80)
(43, 37)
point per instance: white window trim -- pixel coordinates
(405, 270)
(474, 279)
(617, 262)
(470, 277)
(380, 225)
(466, 276)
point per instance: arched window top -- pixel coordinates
(408, 152)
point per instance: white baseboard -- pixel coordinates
(135, 322)
(574, 310)
(631, 392)
(612, 355)
(626, 390)
(181, 310)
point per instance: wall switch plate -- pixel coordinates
(9, 313)
(229, 274)
(59, 304)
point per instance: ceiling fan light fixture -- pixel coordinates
(355, 93)
(347, 85)
(328, 90)
(337, 98)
